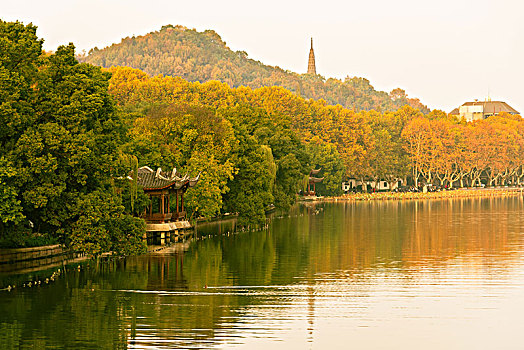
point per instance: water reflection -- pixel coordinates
(325, 274)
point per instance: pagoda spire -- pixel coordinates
(311, 69)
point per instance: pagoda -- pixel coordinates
(311, 69)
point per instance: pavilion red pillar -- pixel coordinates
(177, 203)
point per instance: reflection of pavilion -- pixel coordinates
(168, 268)
(166, 190)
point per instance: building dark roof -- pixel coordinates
(455, 112)
(493, 107)
(157, 180)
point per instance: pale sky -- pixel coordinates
(444, 52)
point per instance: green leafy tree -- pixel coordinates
(251, 190)
(10, 208)
(103, 226)
(290, 158)
(61, 132)
(325, 156)
(20, 50)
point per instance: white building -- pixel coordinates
(382, 185)
(477, 110)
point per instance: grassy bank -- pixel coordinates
(459, 193)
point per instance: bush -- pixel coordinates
(25, 239)
(103, 226)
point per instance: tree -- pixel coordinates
(449, 149)
(20, 51)
(397, 94)
(19, 60)
(193, 139)
(325, 156)
(10, 208)
(251, 189)
(386, 159)
(60, 132)
(420, 146)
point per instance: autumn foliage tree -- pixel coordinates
(450, 150)
(390, 146)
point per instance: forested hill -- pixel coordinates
(204, 56)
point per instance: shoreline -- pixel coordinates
(449, 194)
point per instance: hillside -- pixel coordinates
(204, 56)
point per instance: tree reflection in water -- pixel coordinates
(209, 295)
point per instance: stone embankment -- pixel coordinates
(25, 260)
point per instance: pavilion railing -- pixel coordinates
(167, 217)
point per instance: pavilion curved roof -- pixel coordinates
(149, 179)
(315, 180)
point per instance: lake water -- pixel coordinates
(368, 275)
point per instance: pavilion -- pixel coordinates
(166, 190)
(313, 181)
